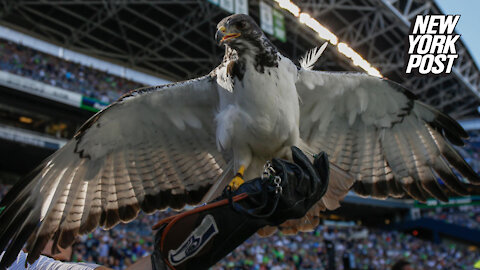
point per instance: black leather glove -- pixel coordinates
(198, 238)
(286, 191)
(304, 185)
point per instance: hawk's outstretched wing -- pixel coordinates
(155, 147)
(376, 130)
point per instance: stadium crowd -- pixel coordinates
(24, 61)
(358, 246)
(468, 216)
(121, 246)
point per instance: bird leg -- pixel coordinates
(237, 181)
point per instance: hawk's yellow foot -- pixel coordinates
(237, 181)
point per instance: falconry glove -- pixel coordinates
(198, 238)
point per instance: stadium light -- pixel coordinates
(319, 28)
(324, 33)
(289, 6)
(26, 120)
(357, 59)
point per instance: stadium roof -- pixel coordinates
(174, 38)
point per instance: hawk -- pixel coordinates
(176, 144)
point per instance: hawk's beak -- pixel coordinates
(221, 36)
(229, 36)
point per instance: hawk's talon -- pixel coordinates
(237, 181)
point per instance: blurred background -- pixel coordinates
(61, 61)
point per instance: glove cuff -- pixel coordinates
(198, 238)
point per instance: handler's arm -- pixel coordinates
(199, 238)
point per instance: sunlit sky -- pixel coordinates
(469, 24)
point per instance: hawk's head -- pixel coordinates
(238, 31)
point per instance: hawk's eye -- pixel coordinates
(241, 25)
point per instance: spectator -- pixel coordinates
(27, 62)
(468, 216)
